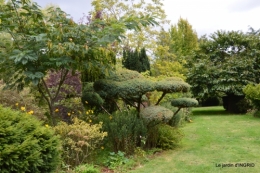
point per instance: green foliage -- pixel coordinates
(184, 102)
(180, 117)
(132, 87)
(135, 60)
(156, 113)
(184, 38)
(86, 168)
(16, 100)
(168, 137)
(243, 105)
(26, 145)
(124, 130)
(90, 97)
(129, 86)
(144, 36)
(163, 136)
(170, 85)
(168, 68)
(252, 92)
(43, 43)
(223, 65)
(116, 159)
(79, 140)
(173, 50)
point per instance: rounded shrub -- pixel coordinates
(26, 145)
(156, 113)
(79, 140)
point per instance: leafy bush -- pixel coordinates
(124, 130)
(163, 136)
(14, 99)
(243, 105)
(79, 140)
(168, 137)
(253, 93)
(26, 145)
(116, 159)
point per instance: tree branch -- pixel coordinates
(160, 99)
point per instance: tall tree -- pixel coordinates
(42, 44)
(136, 60)
(184, 38)
(116, 9)
(223, 65)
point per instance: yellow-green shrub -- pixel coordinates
(26, 145)
(163, 136)
(79, 140)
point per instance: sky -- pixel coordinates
(205, 16)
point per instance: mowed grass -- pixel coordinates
(213, 138)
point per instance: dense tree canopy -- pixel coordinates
(136, 60)
(116, 9)
(173, 49)
(223, 65)
(184, 38)
(45, 43)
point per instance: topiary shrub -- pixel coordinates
(156, 113)
(180, 117)
(26, 145)
(184, 102)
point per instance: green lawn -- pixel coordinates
(213, 138)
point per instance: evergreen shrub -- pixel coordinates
(163, 136)
(125, 130)
(26, 145)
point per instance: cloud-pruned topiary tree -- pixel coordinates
(131, 87)
(184, 103)
(171, 85)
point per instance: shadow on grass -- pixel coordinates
(201, 111)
